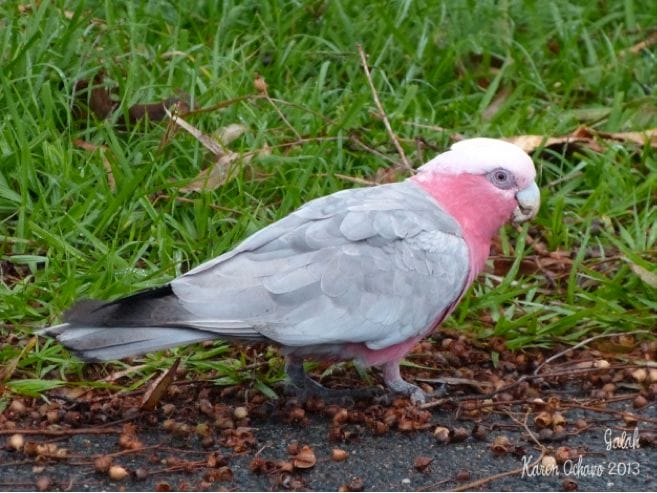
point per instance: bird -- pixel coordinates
(362, 274)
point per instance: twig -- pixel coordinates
(529, 432)
(386, 122)
(72, 431)
(282, 116)
(353, 179)
(480, 482)
(583, 343)
(102, 150)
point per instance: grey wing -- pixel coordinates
(375, 265)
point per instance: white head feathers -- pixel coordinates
(482, 155)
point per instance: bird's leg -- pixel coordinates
(305, 387)
(393, 379)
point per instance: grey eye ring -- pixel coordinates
(501, 178)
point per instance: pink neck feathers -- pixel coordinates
(479, 208)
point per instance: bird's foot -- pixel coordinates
(402, 387)
(310, 389)
(305, 388)
(398, 385)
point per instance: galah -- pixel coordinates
(360, 274)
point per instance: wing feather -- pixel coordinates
(374, 265)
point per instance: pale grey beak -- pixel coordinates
(529, 201)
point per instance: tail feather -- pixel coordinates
(147, 321)
(110, 343)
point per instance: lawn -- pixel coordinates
(95, 203)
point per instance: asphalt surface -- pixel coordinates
(383, 462)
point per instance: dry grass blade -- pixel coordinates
(88, 146)
(209, 143)
(641, 45)
(159, 387)
(650, 278)
(386, 122)
(8, 370)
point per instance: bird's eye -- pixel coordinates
(501, 178)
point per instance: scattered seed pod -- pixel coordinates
(17, 407)
(43, 483)
(460, 434)
(562, 454)
(297, 414)
(241, 412)
(601, 363)
(580, 424)
(354, 484)
(487, 405)
(480, 432)
(652, 375)
(543, 419)
(315, 404)
(462, 475)
(558, 419)
(630, 419)
(117, 473)
(501, 445)
(305, 459)
(16, 442)
(205, 407)
(569, 484)
(162, 486)
(639, 402)
(141, 473)
(168, 408)
(202, 430)
(549, 463)
(421, 463)
(339, 455)
(224, 473)
(640, 375)
(293, 448)
(102, 463)
(341, 416)
(208, 441)
(52, 416)
(609, 389)
(546, 434)
(441, 434)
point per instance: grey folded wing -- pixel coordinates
(373, 265)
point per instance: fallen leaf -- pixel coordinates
(159, 387)
(229, 133)
(219, 173)
(102, 101)
(585, 136)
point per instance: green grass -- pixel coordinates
(562, 64)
